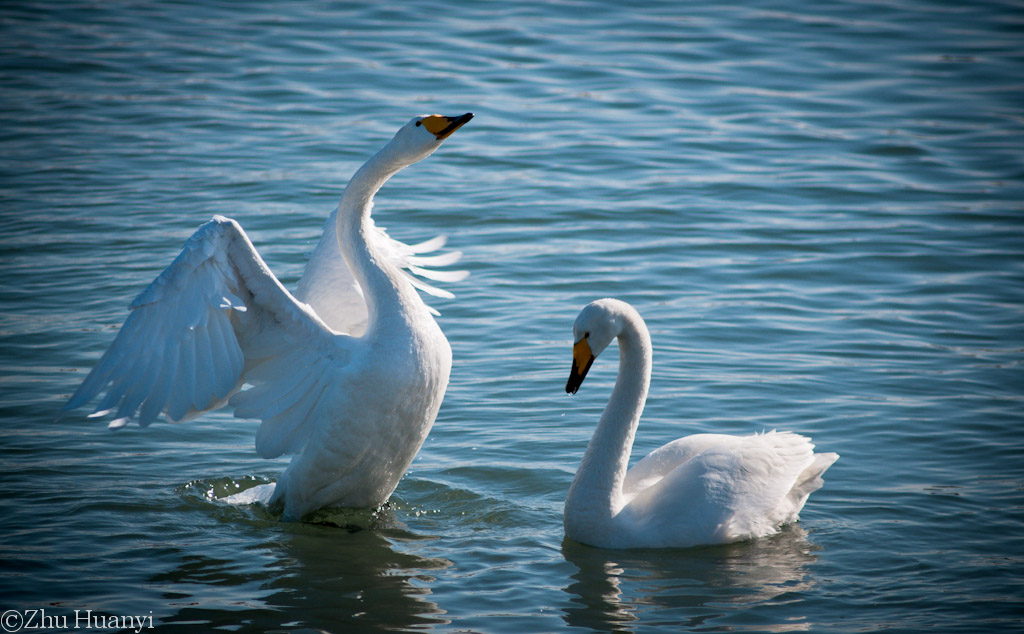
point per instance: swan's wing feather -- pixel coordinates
(761, 479)
(295, 389)
(663, 460)
(437, 276)
(190, 336)
(427, 246)
(170, 354)
(331, 289)
(731, 487)
(441, 259)
(287, 423)
(297, 366)
(161, 393)
(409, 260)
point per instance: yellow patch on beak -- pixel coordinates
(442, 127)
(582, 358)
(581, 353)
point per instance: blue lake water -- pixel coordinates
(819, 211)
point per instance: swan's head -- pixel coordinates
(423, 134)
(596, 326)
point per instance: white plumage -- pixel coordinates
(348, 374)
(700, 489)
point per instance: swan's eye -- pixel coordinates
(586, 335)
(419, 123)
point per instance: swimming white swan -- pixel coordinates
(348, 374)
(700, 489)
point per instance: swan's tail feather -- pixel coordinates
(810, 479)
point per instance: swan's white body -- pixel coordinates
(700, 489)
(348, 374)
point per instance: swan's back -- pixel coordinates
(714, 488)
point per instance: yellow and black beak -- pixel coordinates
(582, 359)
(442, 127)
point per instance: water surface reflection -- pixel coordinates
(330, 577)
(690, 588)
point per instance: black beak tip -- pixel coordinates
(454, 123)
(574, 383)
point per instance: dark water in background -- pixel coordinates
(818, 212)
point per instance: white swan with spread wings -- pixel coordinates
(347, 374)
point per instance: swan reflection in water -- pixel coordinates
(616, 590)
(343, 571)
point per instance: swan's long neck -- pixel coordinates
(599, 479)
(388, 296)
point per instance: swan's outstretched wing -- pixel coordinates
(329, 287)
(213, 320)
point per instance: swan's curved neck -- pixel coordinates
(387, 294)
(600, 476)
